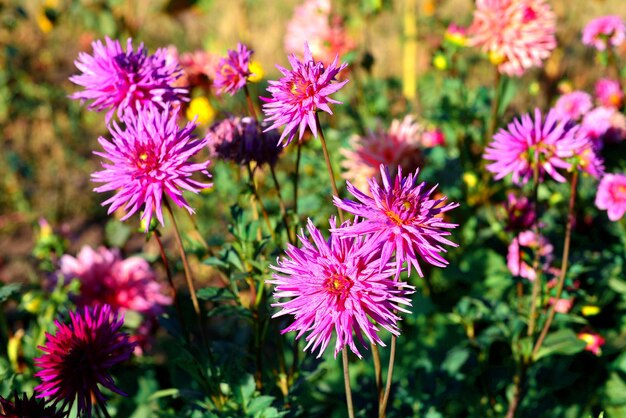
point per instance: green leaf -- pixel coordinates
(8, 290)
(216, 294)
(117, 233)
(563, 342)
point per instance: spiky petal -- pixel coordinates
(233, 71)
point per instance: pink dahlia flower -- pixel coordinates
(77, 359)
(521, 250)
(604, 30)
(233, 71)
(28, 407)
(611, 195)
(300, 94)
(338, 285)
(198, 68)
(594, 342)
(399, 146)
(573, 105)
(609, 93)
(562, 305)
(126, 81)
(402, 218)
(604, 124)
(106, 278)
(519, 212)
(149, 157)
(432, 137)
(517, 34)
(516, 149)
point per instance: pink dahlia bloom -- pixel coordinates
(77, 359)
(149, 157)
(604, 124)
(520, 255)
(517, 34)
(519, 212)
(399, 146)
(313, 23)
(198, 69)
(106, 278)
(594, 342)
(611, 195)
(604, 30)
(127, 81)
(609, 93)
(552, 142)
(300, 94)
(233, 71)
(432, 137)
(573, 105)
(402, 218)
(28, 407)
(338, 285)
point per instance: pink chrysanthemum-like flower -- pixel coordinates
(573, 105)
(611, 195)
(521, 250)
(77, 359)
(399, 146)
(26, 407)
(233, 71)
(149, 157)
(198, 67)
(604, 124)
(517, 34)
(106, 278)
(609, 93)
(402, 218)
(516, 149)
(126, 81)
(338, 285)
(300, 94)
(604, 30)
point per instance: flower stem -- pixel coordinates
(333, 183)
(564, 263)
(168, 273)
(377, 372)
(281, 204)
(257, 198)
(537, 281)
(495, 104)
(392, 356)
(251, 108)
(517, 391)
(346, 379)
(296, 179)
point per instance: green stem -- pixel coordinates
(378, 373)
(383, 405)
(281, 204)
(296, 179)
(495, 104)
(346, 380)
(537, 281)
(333, 183)
(251, 108)
(257, 199)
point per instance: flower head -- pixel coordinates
(528, 141)
(298, 95)
(573, 105)
(519, 211)
(521, 250)
(399, 146)
(149, 157)
(604, 31)
(611, 195)
(517, 34)
(594, 342)
(127, 81)
(456, 35)
(402, 218)
(233, 71)
(609, 93)
(604, 124)
(77, 359)
(106, 278)
(198, 69)
(26, 407)
(337, 285)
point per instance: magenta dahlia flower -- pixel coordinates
(28, 407)
(519, 212)
(516, 149)
(338, 285)
(149, 157)
(402, 218)
(106, 278)
(233, 71)
(604, 124)
(521, 252)
(611, 195)
(609, 93)
(126, 81)
(573, 105)
(77, 359)
(604, 31)
(517, 34)
(300, 93)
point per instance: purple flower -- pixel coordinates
(300, 94)
(26, 407)
(519, 257)
(77, 359)
(528, 141)
(149, 158)
(604, 30)
(519, 212)
(126, 81)
(573, 105)
(611, 195)
(401, 217)
(341, 285)
(233, 71)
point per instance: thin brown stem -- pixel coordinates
(257, 199)
(251, 108)
(378, 372)
(382, 410)
(329, 166)
(296, 179)
(168, 273)
(537, 281)
(346, 380)
(518, 381)
(564, 263)
(495, 104)
(281, 204)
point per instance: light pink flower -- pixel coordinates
(562, 305)
(233, 71)
(573, 105)
(611, 195)
(609, 93)
(106, 278)
(198, 68)
(604, 30)
(521, 251)
(604, 124)
(432, 137)
(594, 342)
(517, 34)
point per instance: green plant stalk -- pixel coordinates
(296, 180)
(333, 183)
(537, 282)
(283, 209)
(495, 104)
(346, 380)
(168, 273)
(564, 262)
(251, 108)
(257, 199)
(383, 404)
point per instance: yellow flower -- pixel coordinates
(470, 179)
(256, 72)
(31, 302)
(440, 62)
(496, 58)
(201, 107)
(590, 310)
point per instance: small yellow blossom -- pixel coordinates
(201, 107)
(496, 58)
(590, 310)
(256, 72)
(440, 62)
(31, 302)
(470, 179)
